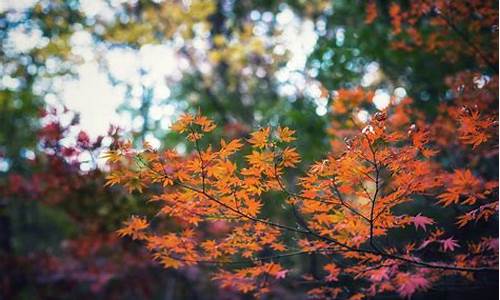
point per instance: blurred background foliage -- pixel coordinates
(243, 63)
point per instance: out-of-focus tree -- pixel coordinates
(234, 63)
(60, 220)
(395, 44)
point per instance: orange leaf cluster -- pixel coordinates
(345, 206)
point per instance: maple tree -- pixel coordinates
(353, 207)
(343, 208)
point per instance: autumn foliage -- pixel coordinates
(389, 210)
(59, 185)
(383, 183)
(348, 207)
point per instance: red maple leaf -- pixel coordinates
(410, 283)
(422, 221)
(449, 244)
